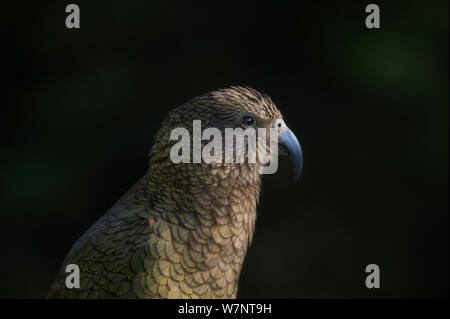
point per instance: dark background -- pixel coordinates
(370, 108)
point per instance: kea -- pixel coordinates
(183, 230)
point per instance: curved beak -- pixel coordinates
(291, 145)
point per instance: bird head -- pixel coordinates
(234, 107)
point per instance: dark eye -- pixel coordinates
(248, 120)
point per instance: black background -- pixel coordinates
(370, 108)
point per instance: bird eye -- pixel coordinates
(248, 120)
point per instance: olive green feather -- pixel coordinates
(183, 230)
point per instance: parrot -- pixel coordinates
(183, 230)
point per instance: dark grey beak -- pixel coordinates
(292, 146)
